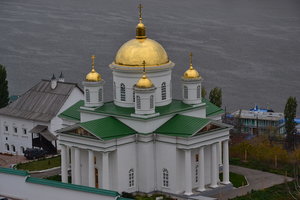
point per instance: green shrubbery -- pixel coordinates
(260, 154)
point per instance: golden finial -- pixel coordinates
(93, 62)
(140, 12)
(191, 72)
(140, 28)
(144, 67)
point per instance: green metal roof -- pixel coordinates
(72, 112)
(13, 171)
(182, 126)
(212, 109)
(107, 128)
(109, 108)
(71, 186)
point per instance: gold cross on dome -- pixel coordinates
(93, 60)
(140, 10)
(191, 59)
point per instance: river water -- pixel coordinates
(249, 48)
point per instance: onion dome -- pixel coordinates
(135, 51)
(191, 73)
(144, 81)
(93, 76)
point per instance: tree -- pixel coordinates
(3, 87)
(215, 96)
(290, 124)
(203, 92)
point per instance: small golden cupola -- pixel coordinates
(144, 81)
(191, 73)
(93, 76)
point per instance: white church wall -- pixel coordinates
(207, 164)
(166, 159)
(146, 167)
(200, 112)
(84, 167)
(19, 139)
(113, 170)
(180, 177)
(130, 79)
(57, 123)
(31, 191)
(88, 116)
(126, 159)
(145, 126)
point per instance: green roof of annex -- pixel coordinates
(109, 108)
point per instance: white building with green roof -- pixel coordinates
(144, 140)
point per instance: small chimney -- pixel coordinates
(53, 82)
(61, 77)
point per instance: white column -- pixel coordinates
(64, 164)
(220, 153)
(105, 170)
(77, 167)
(201, 170)
(73, 164)
(214, 166)
(188, 173)
(225, 163)
(91, 168)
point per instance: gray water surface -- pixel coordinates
(249, 48)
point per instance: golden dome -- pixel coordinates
(135, 51)
(93, 76)
(144, 82)
(191, 72)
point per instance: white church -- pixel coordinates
(143, 140)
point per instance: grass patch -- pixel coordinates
(58, 178)
(44, 163)
(237, 180)
(277, 192)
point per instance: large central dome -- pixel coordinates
(135, 51)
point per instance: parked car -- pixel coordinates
(33, 153)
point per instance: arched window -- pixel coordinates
(7, 147)
(123, 94)
(151, 101)
(13, 148)
(133, 97)
(87, 95)
(198, 91)
(196, 173)
(100, 95)
(163, 91)
(138, 102)
(165, 178)
(131, 178)
(115, 92)
(185, 92)
(22, 149)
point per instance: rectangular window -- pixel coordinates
(24, 131)
(6, 128)
(15, 129)
(197, 157)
